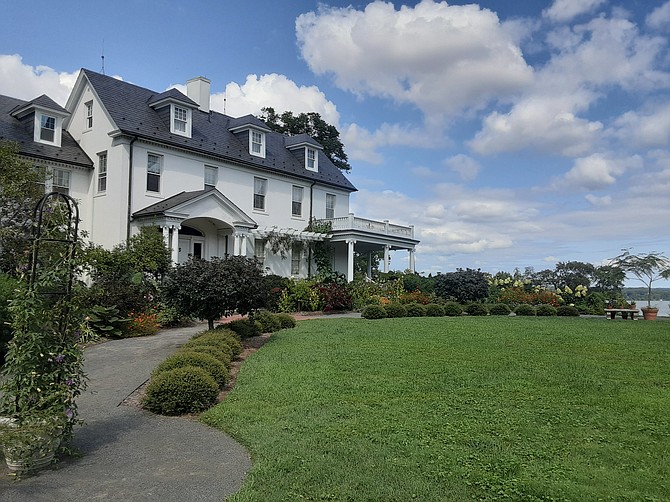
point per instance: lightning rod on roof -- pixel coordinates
(102, 56)
(224, 102)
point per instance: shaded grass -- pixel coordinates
(456, 408)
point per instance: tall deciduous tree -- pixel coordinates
(21, 187)
(464, 285)
(313, 125)
(645, 267)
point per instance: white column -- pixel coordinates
(166, 236)
(387, 258)
(412, 264)
(350, 260)
(236, 244)
(175, 244)
(243, 244)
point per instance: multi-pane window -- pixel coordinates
(89, 115)
(211, 176)
(102, 172)
(60, 181)
(296, 252)
(180, 119)
(257, 143)
(154, 168)
(259, 249)
(260, 190)
(311, 159)
(330, 205)
(48, 128)
(296, 202)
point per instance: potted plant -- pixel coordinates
(645, 267)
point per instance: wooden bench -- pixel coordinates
(611, 313)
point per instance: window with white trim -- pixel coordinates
(211, 176)
(259, 249)
(60, 181)
(48, 128)
(296, 254)
(154, 170)
(88, 122)
(260, 190)
(296, 201)
(102, 172)
(311, 160)
(257, 143)
(181, 121)
(330, 205)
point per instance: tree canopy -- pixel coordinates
(313, 125)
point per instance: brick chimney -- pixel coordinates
(198, 89)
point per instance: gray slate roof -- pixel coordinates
(128, 106)
(170, 202)
(11, 129)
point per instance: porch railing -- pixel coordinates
(352, 222)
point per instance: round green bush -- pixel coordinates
(434, 310)
(268, 321)
(452, 309)
(525, 309)
(286, 321)
(181, 390)
(567, 311)
(373, 312)
(219, 336)
(415, 309)
(500, 309)
(216, 369)
(221, 355)
(245, 328)
(395, 309)
(545, 311)
(478, 309)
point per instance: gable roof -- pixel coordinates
(172, 95)
(11, 129)
(128, 107)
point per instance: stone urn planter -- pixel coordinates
(649, 313)
(29, 448)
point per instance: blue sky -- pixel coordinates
(511, 134)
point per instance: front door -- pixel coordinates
(191, 246)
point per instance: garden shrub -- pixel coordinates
(476, 309)
(107, 321)
(434, 310)
(525, 310)
(500, 309)
(415, 310)
(334, 296)
(170, 317)
(268, 321)
(567, 311)
(8, 286)
(210, 364)
(286, 321)
(181, 390)
(211, 339)
(245, 328)
(415, 297)
(273, 285)
(453, 309)
(229, 337)
(395, 309)
(374, 312)
(464, 285)
(143, 323)
(221, 354)
(545, 310)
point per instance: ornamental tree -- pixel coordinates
(645, 267)
(211, 289)
(465, 285)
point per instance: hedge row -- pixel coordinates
(456, 309)
(189, 381)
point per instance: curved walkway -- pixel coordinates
(129, 454)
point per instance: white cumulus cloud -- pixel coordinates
(565, 10)
(23, 81)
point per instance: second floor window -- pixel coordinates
(48, 128)
(259, 249)
(154, 168)
(311, 160)
(180, 119)
(260, 189)
(330, 205)
(89, 115)
(211, 176)
(257, 144)
(102, 172)
(60, 181)
(296, 203)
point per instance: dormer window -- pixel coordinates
(257, 143)
(47, 128)
(181, 121)
(311, 160)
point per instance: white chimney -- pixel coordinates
(198, 90)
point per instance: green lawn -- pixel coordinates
(456, 408)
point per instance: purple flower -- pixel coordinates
(69, 413)
(68, 382)
(59, 358)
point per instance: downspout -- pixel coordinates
(309, 248)
(130, 188)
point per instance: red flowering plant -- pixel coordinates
(142, 323)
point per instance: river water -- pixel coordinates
(663, 307)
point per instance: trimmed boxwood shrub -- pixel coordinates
(545, 310)
(268, 321)
(434, 310)
(223, 355)
(216, 369)
(219, 336)
(500, 309)
(181, 390)
(478, 309)
(286, 321)
(567, 311)
(373, 312)
(395, 310)
(524, 309)
(453, 309)
(245, 328)
(415, 309)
